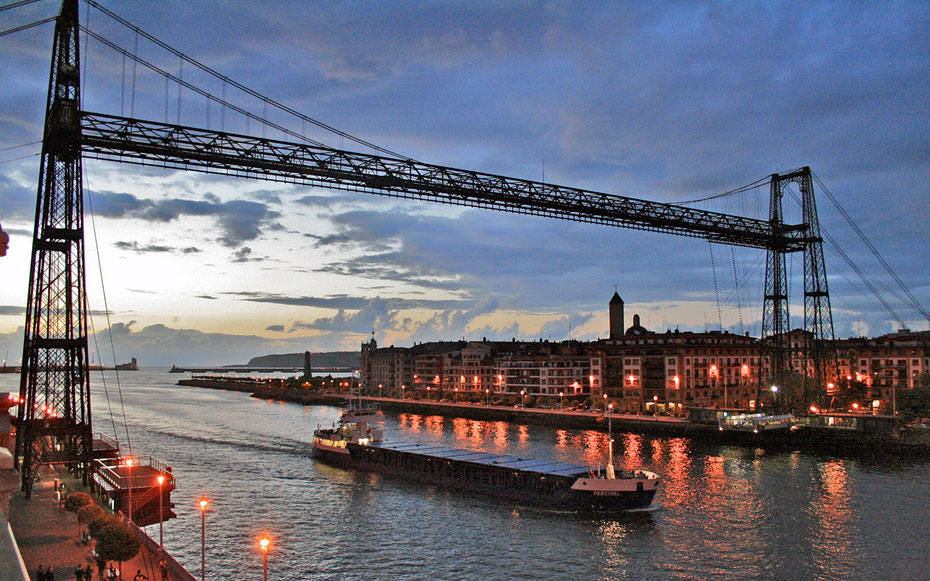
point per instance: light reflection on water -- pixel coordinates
(729, 512)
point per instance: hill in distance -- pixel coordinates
(329, 359)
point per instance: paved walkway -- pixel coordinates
(50, 536)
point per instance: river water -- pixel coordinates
(727, 512)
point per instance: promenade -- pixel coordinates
(50, 536)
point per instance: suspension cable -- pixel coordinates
(168, 76)
(713, 269)
(739, 304)
(738, 190)
(863, 276)
(914, 303)
(27, 26)
(106, 310)
(242, 87)
(17, 4)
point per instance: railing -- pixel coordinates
(174, 568)
(107, 477)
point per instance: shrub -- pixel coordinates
(89, 513)
(115, 542)
(76, 500)
(95, 526)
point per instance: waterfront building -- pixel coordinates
(887, 364)
(667, 372)
(638, 370)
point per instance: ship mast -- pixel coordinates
(610, 444)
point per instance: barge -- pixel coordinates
(357, 444)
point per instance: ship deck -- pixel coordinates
(486, 458)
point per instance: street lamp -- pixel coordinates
(264, 543)
(203, 539)
(455, 396)
(561, 395)
(774, 399)
(487, 397)
(161, 515)
(129, 466)
(522, 398)
(427, 393)
(655, 405)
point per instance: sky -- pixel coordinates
(662, 101)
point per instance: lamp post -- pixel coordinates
(161, 515)
(427, 393)
(774, 400)
(129, 466)
(203, 539)
(655, 405)
(487, 397)
(522, 398)
(561, 395)
(264, 543)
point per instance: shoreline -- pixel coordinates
(807, 438)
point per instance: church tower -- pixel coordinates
(616, 316)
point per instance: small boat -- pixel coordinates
(358, 444)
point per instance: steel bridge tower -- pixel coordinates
(813, 353)
(54, 420)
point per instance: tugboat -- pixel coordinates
(359, 444)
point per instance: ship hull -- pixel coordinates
(530, 488)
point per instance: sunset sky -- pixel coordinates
(665, 101)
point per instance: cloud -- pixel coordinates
(13, 310)
(238, 220)
(244, 254)
(346, 302)
(275, 328)
(160, 345)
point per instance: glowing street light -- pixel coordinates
(203, 539)
(561, 395)
(161, 515)
(264, 543)
(129, 466)
(487, 397)
(522, 398)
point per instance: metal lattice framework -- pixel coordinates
(54, 422)
(162, 145)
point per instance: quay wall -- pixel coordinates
(811, 438)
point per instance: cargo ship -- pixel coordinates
(357, 442)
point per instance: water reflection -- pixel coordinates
(676, 484)
(830, 538)
(632, 451)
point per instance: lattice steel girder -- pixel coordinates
(150, 143)
(54, 383)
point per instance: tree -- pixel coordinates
(89, 513)
(915, 403)
(76, 500)
(116, 542)
(95, 526)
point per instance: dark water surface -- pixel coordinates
(728, 512)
